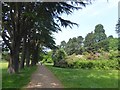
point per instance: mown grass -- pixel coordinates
(80, 78)
(16, 80)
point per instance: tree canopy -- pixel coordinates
(93, 42)
(28, 27)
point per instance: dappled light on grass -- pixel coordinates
(79, 78)
(16, 80)
(3, 65)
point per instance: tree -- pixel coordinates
(59, 57)
(111, 36)
(118, 27)
(63, 45)
(74, 45)
(89, 42)
(99, 33)
(80, 47)
(97, 40)
(24, 23)
(118, 32)
(11, 25)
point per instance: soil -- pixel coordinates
(44, 78)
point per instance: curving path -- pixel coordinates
(43, 78)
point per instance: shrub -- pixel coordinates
(101, 62)
(59, 58)
(113, 54)
(49, 60)
(95, 64)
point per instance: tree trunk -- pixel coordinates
(15, 41)
(35, 54)
(33, 58)
(22, 62)
(16, 61)
(10, 65)
(15, 56)
(28, 53)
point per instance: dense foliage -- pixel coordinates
(94, 42)
(90, 61)
(59, 57)
(95, 51)
(92, 64)
(28, 27)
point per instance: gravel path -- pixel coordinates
(43, 78)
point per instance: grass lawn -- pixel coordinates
(79, 78)
(15, 80)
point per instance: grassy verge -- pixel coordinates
(16, 80)
(79, 78)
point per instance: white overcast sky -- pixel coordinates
(99, 12)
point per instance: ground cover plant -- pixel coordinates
(15, 80)
(80, 78)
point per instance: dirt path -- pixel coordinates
(43, 78)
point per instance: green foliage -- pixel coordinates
(100, 55)
(94, 42)
(63, 44)
(113, 54)
(59, 58)
(89, 40)
(97, 40)
(74, 45)
(59, 55)
(118, 27)
(16, 80)
(98, 64)
(99, 33)
(79, 78)
(92, 62)
(48, 57)
(5, 56)
(29, 26)
(103, 45)
(113, 44)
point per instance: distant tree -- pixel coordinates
(79, 46)
(118, 32)
(111, 36)
(99, 33)
(63, 45)
(59, 57)
(89, 42)
(97, 40)
(79, 40)
(74, 45)
(70, 47)
(100, 37)
(118, 27)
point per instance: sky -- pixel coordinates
(99, 12)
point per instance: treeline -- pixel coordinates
(27, 28)
(94, 42)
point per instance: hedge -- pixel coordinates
(95, 64)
